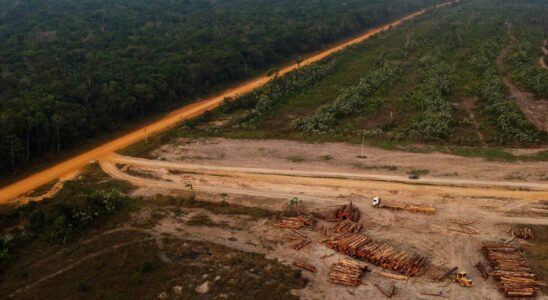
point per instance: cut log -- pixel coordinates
(303, 265)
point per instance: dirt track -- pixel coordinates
(324, 191)
(541, 60)
(10, 192)
(235, 171)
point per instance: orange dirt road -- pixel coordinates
(30, 183)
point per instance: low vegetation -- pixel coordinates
(401, 87)
(81, 205)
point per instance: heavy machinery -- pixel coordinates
(463, 279)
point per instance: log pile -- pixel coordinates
(346, 226)
(392, 276)
(294, 222)
(347, 272)
(523, 233)
(419, 209)
(409, 208)
(515, 278)
(383, 255)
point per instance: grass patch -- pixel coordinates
(296, 159)
(41, 190)
(204, 220)
(223, 208)
(491, 154)
(539, 156)
(375, 167)
(418, 172)
(326, 157)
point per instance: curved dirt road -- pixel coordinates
(527, 196)
(221, 170)
(10, 192)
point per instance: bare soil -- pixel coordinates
(339, 157)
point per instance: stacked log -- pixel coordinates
(347, 272)
(392, 276)
(346, 226)
(294, 222)
(523, 233)
(510, 269)
(383, 255)
(419, 209)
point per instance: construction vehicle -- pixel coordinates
(463, 279)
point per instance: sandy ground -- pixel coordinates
(492, 209)
(282, 154)
(10, 192)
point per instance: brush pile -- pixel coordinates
(523, 233)
(347, 272)
(294, 222)
(510, 269)
(340, 213)
(383, 255)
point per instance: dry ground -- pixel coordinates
(493, 209)
(339, 157)
(178, 251)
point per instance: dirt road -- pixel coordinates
(10, 192)
(541, 60)
(535, 110)
(326, 191)
(222, 170)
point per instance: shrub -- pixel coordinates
(351, 100)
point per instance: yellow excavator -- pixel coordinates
(463, 279)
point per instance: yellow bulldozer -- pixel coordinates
(463, 279)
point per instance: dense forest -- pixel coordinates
(72, 70)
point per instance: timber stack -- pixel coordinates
(515, 278)
(383, 255)
(347, 226)
(347, 272)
